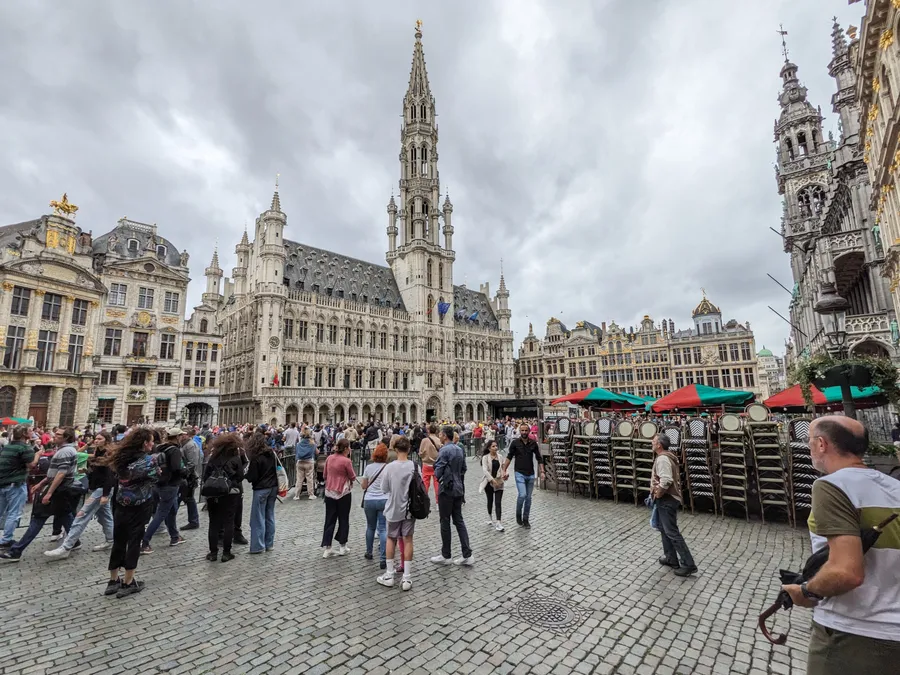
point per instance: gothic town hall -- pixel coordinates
(313, 335)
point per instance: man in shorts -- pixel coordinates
(395, 486)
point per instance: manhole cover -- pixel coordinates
(555, 612)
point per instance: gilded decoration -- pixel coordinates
(63, 207)
(119, 313)
(2, 333)
(52, 239)
(95, 304)
(873, 112)
(876, 85)
(31, 340)
(40, 293)
(170, 319)
(144, 318)
(887, 38)
(896, 4)
(7, 286)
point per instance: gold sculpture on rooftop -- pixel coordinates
(63, 207)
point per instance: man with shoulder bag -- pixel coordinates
(167, 490)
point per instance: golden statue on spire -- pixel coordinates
(418, 25)
(63, 207)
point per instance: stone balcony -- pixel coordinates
(845, 242)
(872, 329)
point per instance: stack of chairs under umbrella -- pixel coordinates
(734, 486)
(561, 452)
(601, 460)
(802, 472)
(581, 457)
(643, 457)
(624, 482)
(769, 462)
(675, 434)
(696, 459)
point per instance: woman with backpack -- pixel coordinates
(138, 469)
(262, 476)
(339, 478)
(222, 488)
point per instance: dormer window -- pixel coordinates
(161, 252)
(133, 245)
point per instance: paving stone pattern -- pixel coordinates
(291, 611)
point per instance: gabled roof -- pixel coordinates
(116, 241)
(345, 276)
(468, 301)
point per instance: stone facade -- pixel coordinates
(50, 301)
(647, 360)
(828, 227)
(772, 377)
(315, 335)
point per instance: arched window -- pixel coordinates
(414, 161)
(428, 271)
(67, 408)
(424, 112)
(789, 147)
(412, 112)
(815, 141)
(204, 325)
(7, 401)
(801, 143)
(161, 252)
(134, 245)
(431, 307)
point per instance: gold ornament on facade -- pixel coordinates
(893, 168)
(7, 286)
(39, 292)
(896, 4)
(876, 85)
(170, 319)
(31, 341)
(870, 132)
(868, 146)
(118, 313)
(63, 207)
(95, 304)
(144, 318)
(866, 159)
(873, 112)
(887, 38)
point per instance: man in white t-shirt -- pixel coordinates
(395, 486)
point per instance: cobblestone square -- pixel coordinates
(587, 571)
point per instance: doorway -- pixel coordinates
(134, 414)
(37, 407)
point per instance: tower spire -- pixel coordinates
(276, 200)
(418, 75)
(838, 40)
(782, 32)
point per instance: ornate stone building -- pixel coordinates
(827, 224)
(647, 360)
(875, 59)
(203, 348)
(315, 335)
(139, 343)
(50, 306)
(772, 378)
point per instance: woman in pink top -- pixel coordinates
(339, 477)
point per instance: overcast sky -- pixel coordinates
(616, 154)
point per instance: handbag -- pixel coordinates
(281, 474)
(362, 502)
(217, 485)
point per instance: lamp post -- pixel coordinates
(833, 307)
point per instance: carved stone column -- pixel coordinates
(23, 401)
(54, 405)
(65, 326)
(29, 358)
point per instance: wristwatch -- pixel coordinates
(808, 594)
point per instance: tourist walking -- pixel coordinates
(56, 495)
(428, 453)
(374, 501)
(526, 453)
(855, 595)
(225, 467)
(395, 485)
(450, 469)
(339, 477)
(101, 481)
(492, 483)
(137, 468)
(192, 451)
(167, 490)
(262, 476)
(305, 456)
(665, 488)
(16, 458)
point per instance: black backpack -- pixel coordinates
(419, 503)
(218, 483)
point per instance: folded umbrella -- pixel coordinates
(813, 564)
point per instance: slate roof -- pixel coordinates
(126, 230)
(9, 233)
(316, 270)
(468, 301)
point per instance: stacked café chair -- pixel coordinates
(734, 484)
(675, 434)
(581, 458)
(601, 458)
(624, 480)
(769, 462)
(643, 457)
(696, 451)
(802, 472)
(560, 439)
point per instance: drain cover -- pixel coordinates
(555, 612)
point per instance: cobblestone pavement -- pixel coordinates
(586, 570)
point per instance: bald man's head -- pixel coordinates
(847, 436)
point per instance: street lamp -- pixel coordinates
(832, 307)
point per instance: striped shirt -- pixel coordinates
(845, 502)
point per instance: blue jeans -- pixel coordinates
(12, 503)
(375, 524)
(674, 546)
(262, 519)
(34, 528)
(525, 486)
(190, 501)
(165, 511)
(92, 507)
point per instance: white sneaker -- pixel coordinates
(491, 523)
(499, 527)
(386, 580)
(297, 497)
(343, 550)
(441, 560)
(57, 553)
(406, 584)
(103, 547)
(312, 496)
(57, 537)
(328, 553)
(465, 562)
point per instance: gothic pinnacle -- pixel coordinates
(276, 200)
(838, 40)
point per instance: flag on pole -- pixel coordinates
(431, 306)
(443, 308)
(275, 379)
